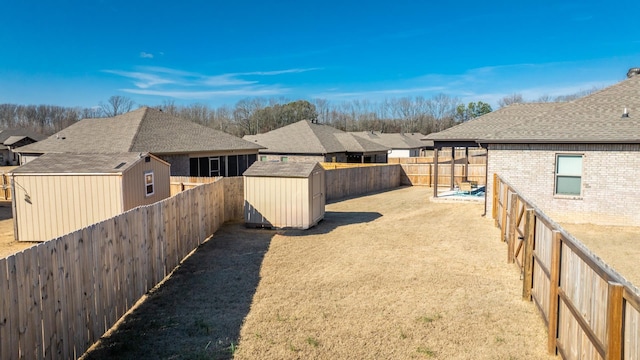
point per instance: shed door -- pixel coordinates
(318, 199)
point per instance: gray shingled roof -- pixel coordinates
(281, 169)
(56, 163)
(393, 140)
(8, 133)
(305, 137)
(145, 129)
(485, 125)
(596, 118)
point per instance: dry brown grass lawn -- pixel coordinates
(618, 246)
(386, 276)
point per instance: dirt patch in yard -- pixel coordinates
(618, 246)
(386, 276)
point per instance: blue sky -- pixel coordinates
(78, 53)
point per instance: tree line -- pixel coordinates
(258, 115)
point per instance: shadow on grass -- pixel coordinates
(198, 312)
(335, 219)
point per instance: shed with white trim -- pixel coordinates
(284, 194)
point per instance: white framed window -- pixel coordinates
(263, 157)
(284, 159)
(568, 175)
(148, 183)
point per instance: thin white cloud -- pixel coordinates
(146, 55)
(180, 84)
(205, 94)
(142, 80)
(278, 72)
(377, 93)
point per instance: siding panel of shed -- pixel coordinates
(134, 189)
(64, 203)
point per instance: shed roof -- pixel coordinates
(282, 169)
(305, 137)
(145, 129)
(54, 163)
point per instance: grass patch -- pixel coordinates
(426, 351)
(313, 342)
(427, 319)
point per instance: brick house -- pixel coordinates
(578, 161)
(191, 149)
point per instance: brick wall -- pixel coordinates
(610, 180)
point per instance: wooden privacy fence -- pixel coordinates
(590, 310)
(420, 170)
(354, 181)
(5, 193)
(59, 297)
(181, 183)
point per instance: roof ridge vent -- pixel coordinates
(633, 72)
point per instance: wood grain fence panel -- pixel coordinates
(145, 251)
(631, 336)
(5, 312)
(137, 253)
(88, 270)
(78, 267)
(14, 300)
(64, 348)
(120, 280)
(161, 235)
(99, 327)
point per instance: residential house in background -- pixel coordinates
(56, 194)
(15, 138)
(401, 144)
(578, 161)
(307, 141)
(191, 149)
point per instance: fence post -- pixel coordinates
(554, 284)
(513, 214)
(614, 321)
(529, 239)
(495, 197)
(505, 205)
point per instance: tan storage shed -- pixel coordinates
(284, 195)
(56, 194)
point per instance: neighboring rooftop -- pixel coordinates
(394, 140)
(54, 163)
(142, 130)
(281, 169)
(12, 136)
(305, 137)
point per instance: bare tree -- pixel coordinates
(510, 99)
(116, 105)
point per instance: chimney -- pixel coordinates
(633, 72)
